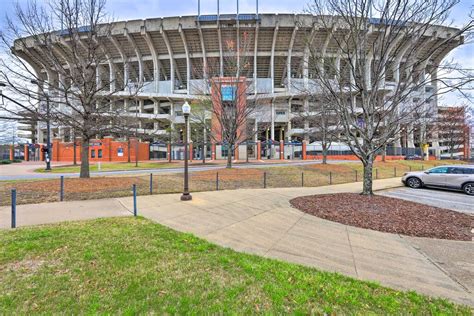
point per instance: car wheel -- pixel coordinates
(415, 183)
(468, 188)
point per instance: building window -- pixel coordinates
(280, 112)
(99, 153)
(93, 153)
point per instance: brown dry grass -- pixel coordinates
(40, 191)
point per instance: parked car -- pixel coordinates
(459, 177)
(412, 157)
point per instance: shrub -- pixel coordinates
(5, 162)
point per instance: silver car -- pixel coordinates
(454, 177)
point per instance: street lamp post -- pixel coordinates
(186, 196)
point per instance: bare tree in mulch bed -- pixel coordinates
(389, 215)
(373, 43)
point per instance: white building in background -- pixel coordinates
(165, 53)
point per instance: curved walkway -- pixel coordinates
(263, 222)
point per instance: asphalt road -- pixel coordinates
(32, 175)
(453, 200)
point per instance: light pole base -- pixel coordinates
(186, 197)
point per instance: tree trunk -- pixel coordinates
(229, 157)
(128, 150)
(325, 154)
(384, 153)
(85, 173)
(169, 154)
(74, 145)
(368, 175)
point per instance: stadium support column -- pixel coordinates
(140, 111)
(288, 131)
(272, 131)
(126, 73)
(397, 143)
(434, 83)
(272, 58)
(188, 60)
(255, 53)
(154, 55)
(138, 55)
(306, 123)
(256, 130)
(410, 137)
(171, 57)
(288, 60)
(111, 77)
(368, 67)
(435, 144)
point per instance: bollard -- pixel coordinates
(134, 190)
(13, 208)
(217, 181)
(61, 189)
(264, 179)
(409, 168)
(302, 179)
(330, 177)
(151, 183)
(394, 171)
(356, 175)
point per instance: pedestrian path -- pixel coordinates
(262, 222)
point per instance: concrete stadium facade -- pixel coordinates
(164, 54)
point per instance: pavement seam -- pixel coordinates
(124, 206)
(433, 262)
(237, 222)
(284, 234)
(352, 251)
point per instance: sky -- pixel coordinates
(142, 9)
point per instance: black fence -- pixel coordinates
(73, 189)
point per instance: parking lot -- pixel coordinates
(457, 201)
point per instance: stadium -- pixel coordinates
(170, 56)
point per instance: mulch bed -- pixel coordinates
(389, 215)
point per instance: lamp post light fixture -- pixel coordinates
(186, 196)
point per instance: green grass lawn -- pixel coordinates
(131, 265)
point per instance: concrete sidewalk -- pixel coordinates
(263, 222)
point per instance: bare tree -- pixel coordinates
(324, 122)
(60, 48)
(201, 121)
(452, 127)
(227, 87)
(379, 65)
